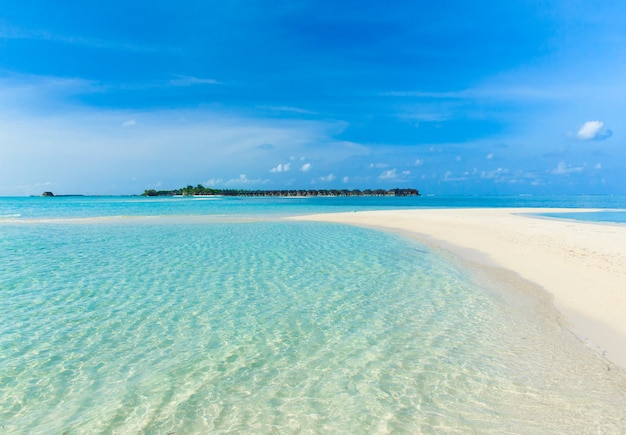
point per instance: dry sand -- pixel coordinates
(582, 265)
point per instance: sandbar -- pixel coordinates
(582, 265)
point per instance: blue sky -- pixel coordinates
(449, 97)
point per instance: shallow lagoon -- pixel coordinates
(260, 325)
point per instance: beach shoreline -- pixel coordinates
(578, 264)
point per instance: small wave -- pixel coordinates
(8, 216)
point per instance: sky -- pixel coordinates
(448, 97)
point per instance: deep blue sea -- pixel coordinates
(215, 315)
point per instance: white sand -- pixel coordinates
(582, 265)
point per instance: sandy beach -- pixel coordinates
(581, 265)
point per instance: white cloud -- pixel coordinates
(213, 182)
(346, 179)
(305, 167)
(449, 176)
(329, 177)
(563, 169)
(495, 174)
(418, 162)
(489, 156)
(598, 166)
(393, 175)
(458, 158)
(281, 168)
(243, 179)
(379, 165)
(593, 130)
(388, 175)
(129, 123)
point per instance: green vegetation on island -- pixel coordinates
(200, 190)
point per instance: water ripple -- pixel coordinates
(274, 327)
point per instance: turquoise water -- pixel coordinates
(37, 207)
(209, 318)
(611, 216)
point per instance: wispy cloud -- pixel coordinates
(289, 109)
(393, 175)
(388, 175)
(449, 176)
(243, 180)
(497, 174)
(511, 92)
(240, 181)
(76, 149)
(190, 81)
(306, 167)
(212, 182)
(20, 90)
(281, 167)
(12, 32)
(564, 169)
(435, 112)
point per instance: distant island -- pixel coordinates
(50, 194)
(200, 190)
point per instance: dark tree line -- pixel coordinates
(200, 190)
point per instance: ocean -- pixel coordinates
(215, 315)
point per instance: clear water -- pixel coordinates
(611, 216)
(227, 319)
(37, 208)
